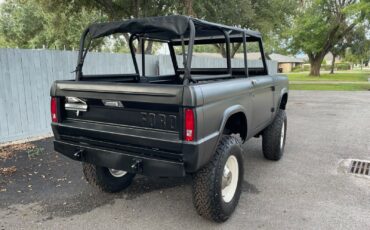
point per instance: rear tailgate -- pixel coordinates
(137, 118)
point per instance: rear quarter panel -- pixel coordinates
(281, 87)
(221, 100)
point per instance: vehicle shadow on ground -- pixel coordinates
(90, 198)
(57, 184)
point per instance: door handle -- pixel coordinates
(254, 82)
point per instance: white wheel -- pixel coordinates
(117, 173)
(106, 179)
(230, 178)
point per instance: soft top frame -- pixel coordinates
(175, 30)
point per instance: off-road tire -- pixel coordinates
(101, 178)
(271, 137)
(207, 193)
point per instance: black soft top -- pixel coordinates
(166, 28)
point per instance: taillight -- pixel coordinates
(189, 125)
(54, 109)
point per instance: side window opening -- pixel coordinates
(211, 58)
(113, 51)
(154, 67)
(205, 56)
(254, 55)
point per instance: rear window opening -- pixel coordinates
(120, 66)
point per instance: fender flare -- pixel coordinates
(282, 93)
(227, 114)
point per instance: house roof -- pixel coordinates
(285, 59)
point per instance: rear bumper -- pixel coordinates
(120, 160)
(119, 149)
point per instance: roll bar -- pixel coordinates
(187, 58)
(81, 55)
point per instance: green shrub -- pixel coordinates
(306, 67)
(337, 66)
(342, 66)
(297, 69)
(326, 67)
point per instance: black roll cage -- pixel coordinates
(190, 41)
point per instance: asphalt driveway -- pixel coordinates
(308, 189)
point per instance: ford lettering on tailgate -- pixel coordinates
(159, 120)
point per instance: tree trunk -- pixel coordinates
(234, 49)
(138, 47)
(315, 62)
(221, 47)
(136, 10)
(149, 48)
(333, 64)
(315, 67)
(189, 7)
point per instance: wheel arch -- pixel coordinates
(235, 121)
(283, 99)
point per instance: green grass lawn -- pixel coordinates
(342, 76)
(331, 87)
(330, 81)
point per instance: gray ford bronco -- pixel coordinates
(193, 121)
